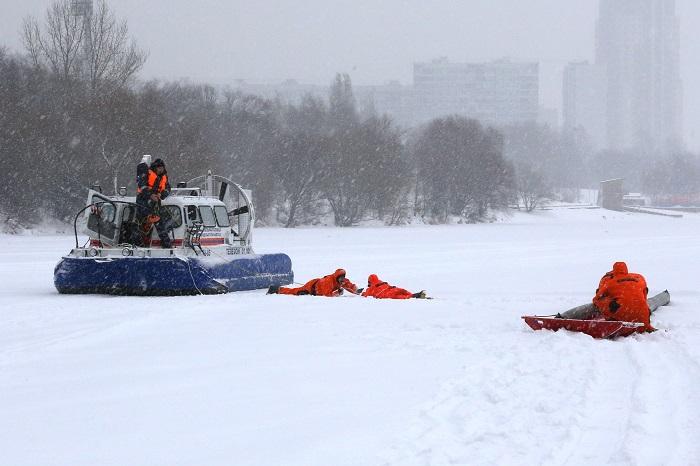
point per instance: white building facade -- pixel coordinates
(498, 93)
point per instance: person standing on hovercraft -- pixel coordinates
(152, 187)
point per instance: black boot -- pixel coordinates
(273, 289)
(165, 242)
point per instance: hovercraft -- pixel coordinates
(210, 223)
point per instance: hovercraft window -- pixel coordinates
(175, 215)
(208, 218)
(106, 210)
(192, 214)
(221, 216)
(129, 214)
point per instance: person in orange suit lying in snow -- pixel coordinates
(330, 286)
(382, 290)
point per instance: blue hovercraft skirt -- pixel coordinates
(169, 276)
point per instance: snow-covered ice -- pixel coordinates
(251, 379)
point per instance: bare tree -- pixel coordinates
(93, 46)
(112, 58)
(297, 168)
(364, 172)
(532, 186)
(59, 43)
(461, 170)
(560, 156)
(297, 165)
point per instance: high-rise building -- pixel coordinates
(496, 93)
(638, 44)
(585, 101)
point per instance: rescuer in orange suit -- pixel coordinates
(382, 290)
(330, 286)
(152, 187)
(623, 296)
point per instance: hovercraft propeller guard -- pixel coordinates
(210, 220)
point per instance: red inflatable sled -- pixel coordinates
(594, 328)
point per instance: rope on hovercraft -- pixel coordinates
(194, 282)
(244, 269)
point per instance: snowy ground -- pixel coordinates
(250, 379)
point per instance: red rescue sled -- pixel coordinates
(594, 328)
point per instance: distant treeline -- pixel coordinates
(307, 162)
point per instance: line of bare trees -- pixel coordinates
(307, 163)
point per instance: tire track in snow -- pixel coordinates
(666, 404)
(605, 415)
(512, 404)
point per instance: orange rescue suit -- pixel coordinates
(623, 296)
(152, 177)
(330, 286)
(382, 290)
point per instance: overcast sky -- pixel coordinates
(373, 40)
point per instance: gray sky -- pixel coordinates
(375, 41)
